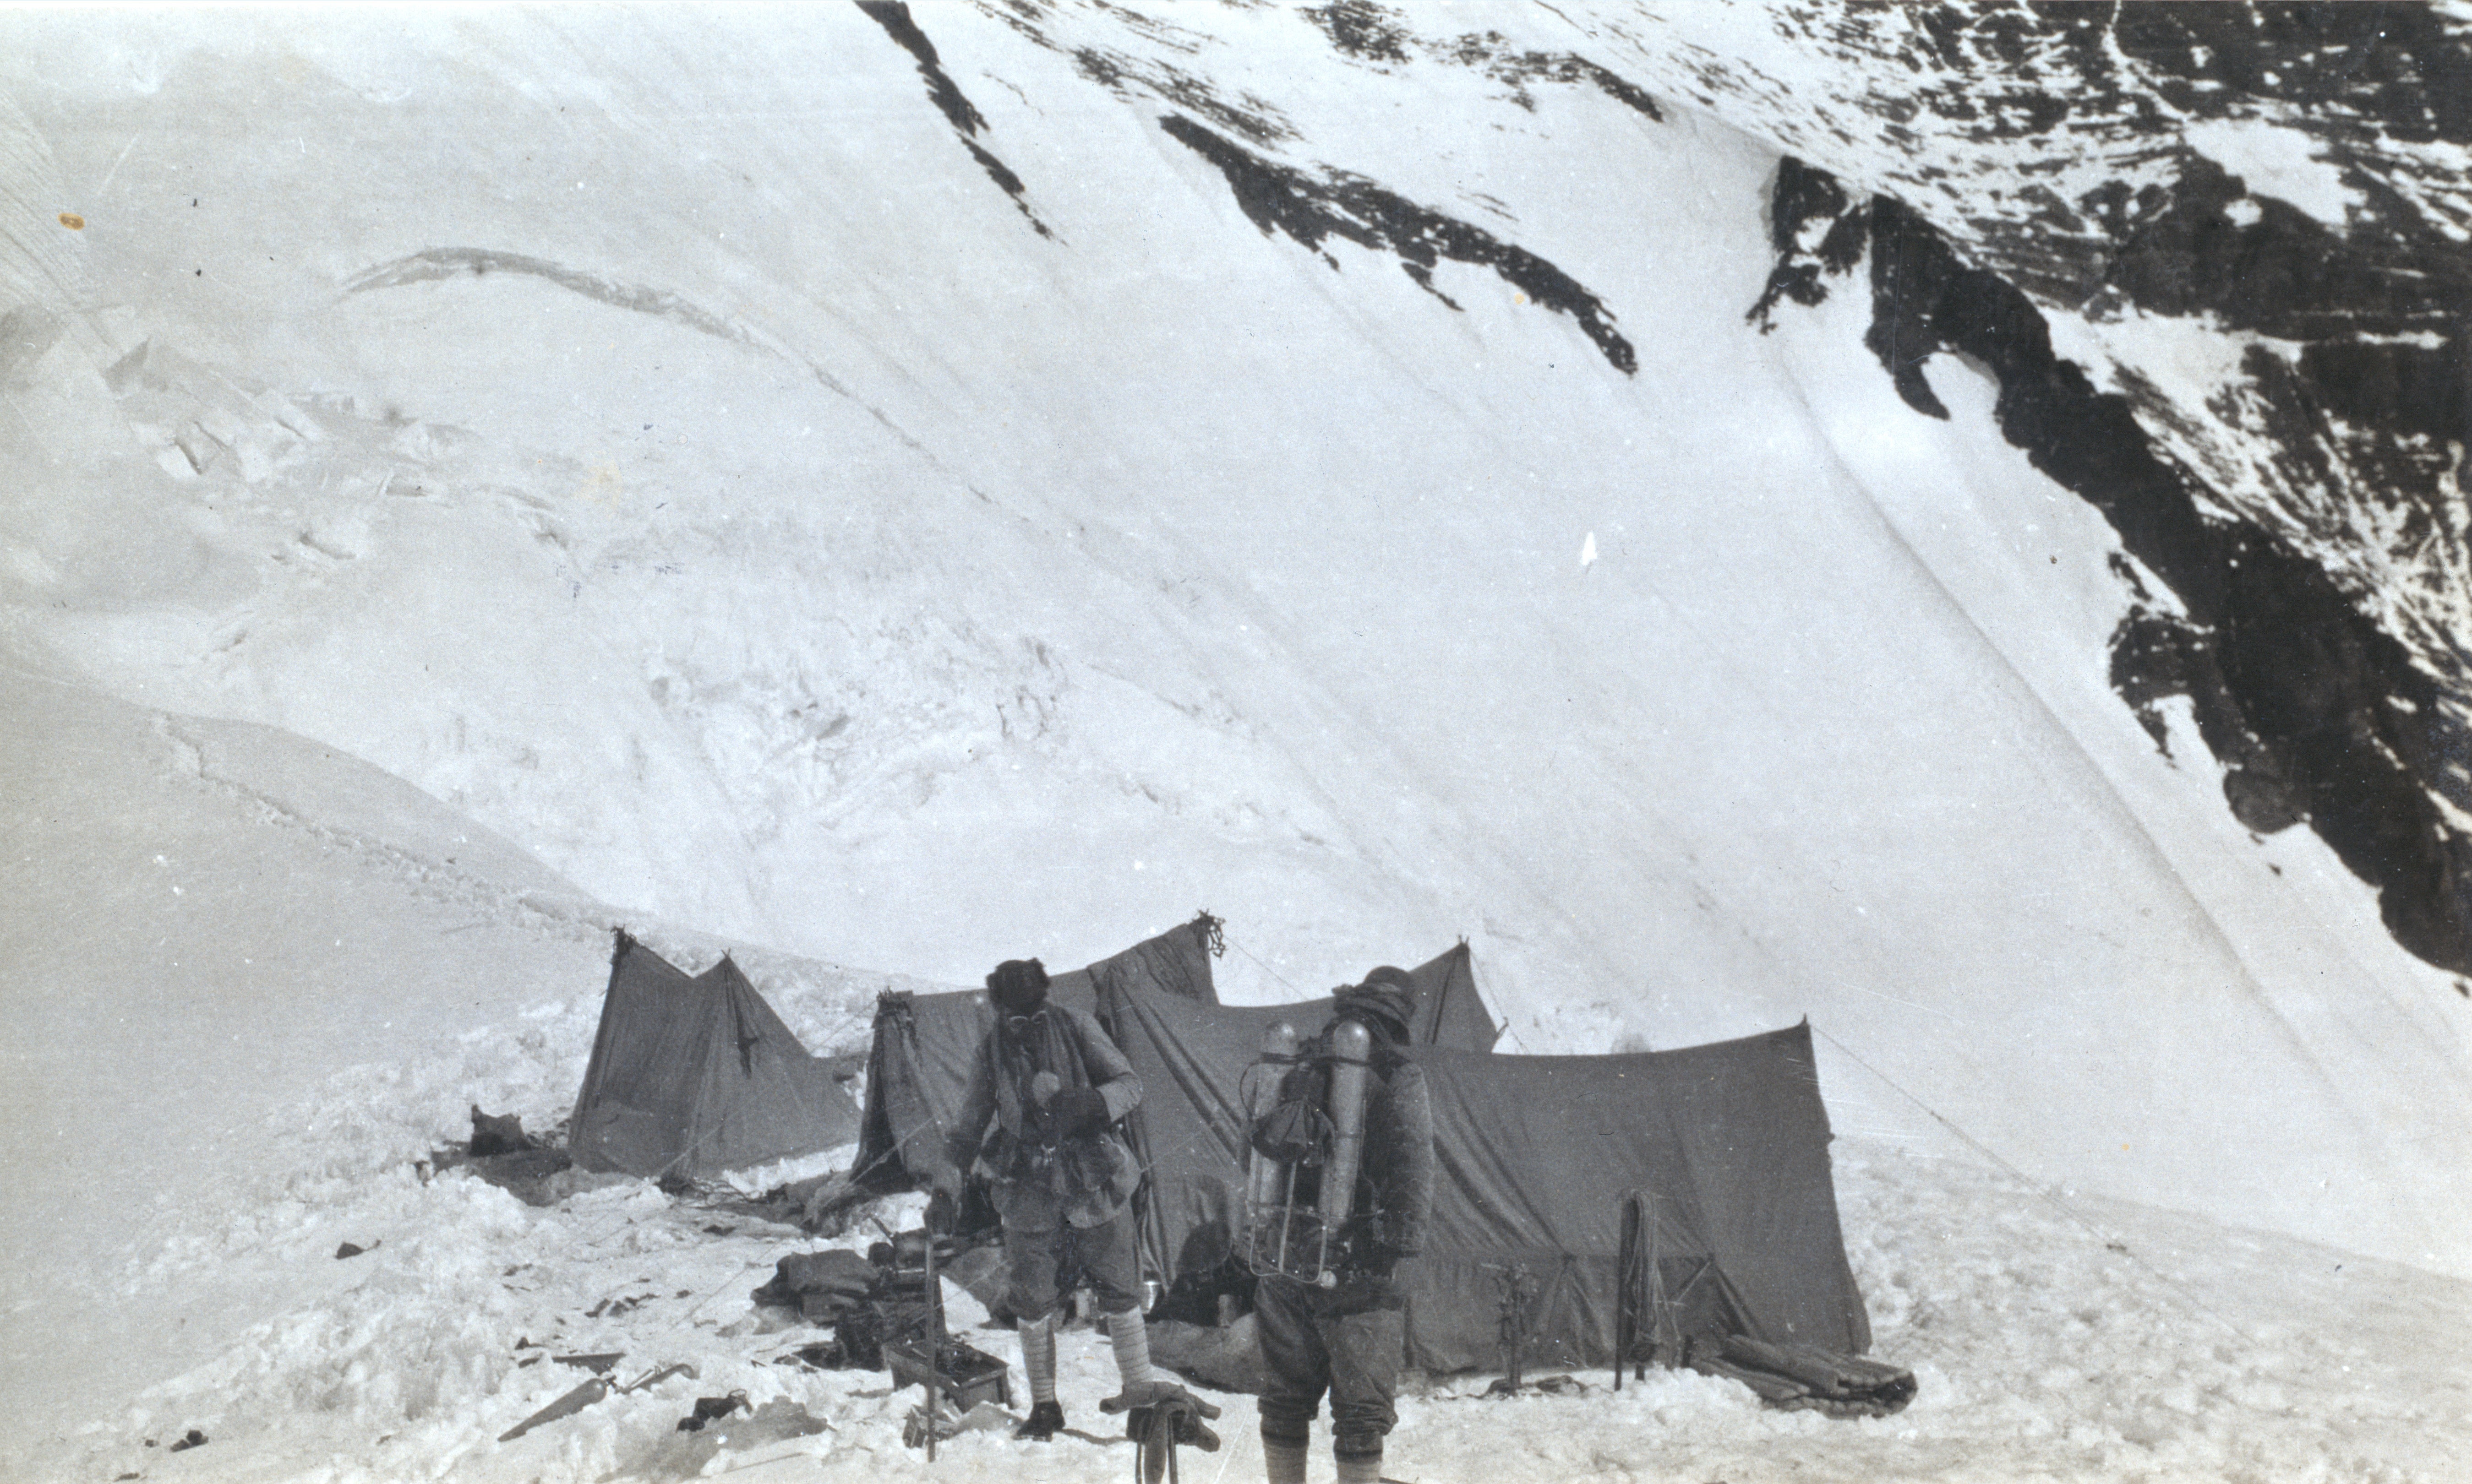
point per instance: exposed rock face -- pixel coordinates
(1358, 210)
(893, 15)
(2304, 511)
(2316, 713)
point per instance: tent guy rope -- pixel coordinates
(2111, 1242)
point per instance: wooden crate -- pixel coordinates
(967, 1376)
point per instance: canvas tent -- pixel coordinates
(1534, 1156)
(694, 1074)
(919, 1063)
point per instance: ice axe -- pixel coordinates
(591, 1391)
(655, 1377)
(567, 1406)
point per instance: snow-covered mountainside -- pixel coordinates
(1944, 520)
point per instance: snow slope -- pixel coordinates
(208, 921)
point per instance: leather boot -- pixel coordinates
(1044, 1420)
(1356, 1465)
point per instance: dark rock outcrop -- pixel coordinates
(2315, 711)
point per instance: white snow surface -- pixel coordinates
(2278, 163)
(780, 545)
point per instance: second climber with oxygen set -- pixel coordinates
(1338, 1186)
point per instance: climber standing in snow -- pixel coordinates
(1347, 1340)
(1046, 1090)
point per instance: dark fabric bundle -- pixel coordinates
(836, 1274)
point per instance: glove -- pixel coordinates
(944, 1187)
(1078, 1111)
(1368, 1279)
(940, 1209)
(1379, 1263)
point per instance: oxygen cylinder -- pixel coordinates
(1265, 1176)
(1350, 1049)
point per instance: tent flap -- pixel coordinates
(1449, 1010)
